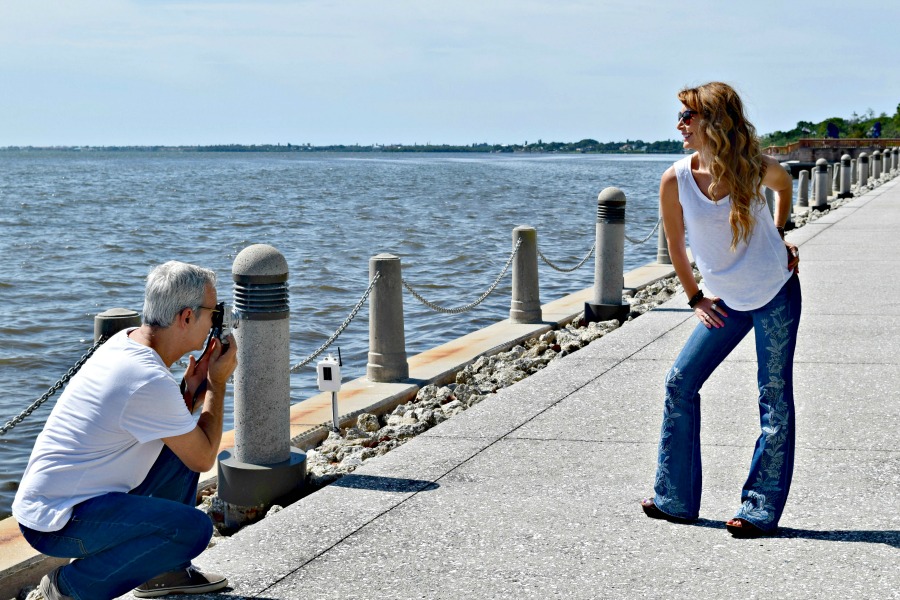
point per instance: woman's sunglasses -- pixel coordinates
(686, 116)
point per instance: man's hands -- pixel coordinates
(212, 370)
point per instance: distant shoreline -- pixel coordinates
(586, 146)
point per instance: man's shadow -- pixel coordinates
(889, 537)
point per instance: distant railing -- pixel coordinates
(832, 143)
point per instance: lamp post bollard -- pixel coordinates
(525, 306)
(821, 198)
(609, 259)
(263, 467)
(845, 177)
(803, 188)
(110, 322)
(387, 338)
(863, 169)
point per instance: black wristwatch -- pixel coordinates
(695, 299)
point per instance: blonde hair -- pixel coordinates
(732, 150)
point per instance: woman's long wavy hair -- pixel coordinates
(732, 150)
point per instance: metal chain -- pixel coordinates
(562, 270)
(296, 368)
(467, 307)
(56, 387)
(634, 241)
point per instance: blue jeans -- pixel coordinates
(122, 540)
(678, 475)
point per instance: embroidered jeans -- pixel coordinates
(679, 476)
(122, 540)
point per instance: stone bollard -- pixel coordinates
(863, 169)
(770, 200)
(829, 180)
(876, 165)
(662, 245)
(263, 467)
(821, 197)
(845, 177)
(803, 188)
(525, 306)
(609, 258)
(853, 173)
(112, 321)
(387, 339)
(836, 177)
(895, 157)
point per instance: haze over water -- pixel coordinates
(80, 231)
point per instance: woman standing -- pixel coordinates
(714, 197)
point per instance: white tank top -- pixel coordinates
(746, 278)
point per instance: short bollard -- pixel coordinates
(821, 198)
(845, 177)
(263, 467)
(609, 258)
(112, 321)
(525, 306)
(387, 339)
(803, 188)
(876, 165)
(863, 169)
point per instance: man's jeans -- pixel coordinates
(122, 540)
(678, 476)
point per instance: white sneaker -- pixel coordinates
(183, 581)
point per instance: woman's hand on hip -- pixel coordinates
(793, 254)
(710, 312)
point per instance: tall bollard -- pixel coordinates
(845, 177)
(829, 180)
(863, 169)
(853, 172)
(803, 188)
(821, 199)
(525, 306)
(876, 165)
(387, 339)
(609, 259)
(263, 467)
(836, 177)
(112, 321)
(895, 157)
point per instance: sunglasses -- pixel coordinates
(686, 116)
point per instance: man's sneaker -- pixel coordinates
(49, 588)
(184, 581)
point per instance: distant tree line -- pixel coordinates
(866, 125)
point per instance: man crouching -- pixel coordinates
(112, 480)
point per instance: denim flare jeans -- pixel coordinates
(678, 475)
(122, 540)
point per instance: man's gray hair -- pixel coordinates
(172, 287)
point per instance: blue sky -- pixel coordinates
(105, 72)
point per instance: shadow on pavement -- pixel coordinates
(385, 484)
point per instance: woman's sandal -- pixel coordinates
(652, 511)
(742, 528)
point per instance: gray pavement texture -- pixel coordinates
(534, 492)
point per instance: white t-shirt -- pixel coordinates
(746, 278)
(104, 433)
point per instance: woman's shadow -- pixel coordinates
(891, 538)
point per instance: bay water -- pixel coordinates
(81, 230)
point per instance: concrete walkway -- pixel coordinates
(534, 493)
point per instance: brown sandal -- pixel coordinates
(652, 511)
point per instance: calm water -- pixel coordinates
(80, 231)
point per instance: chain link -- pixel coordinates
(470, 306)
(562, 270)
(56, 387)
(638, 242)
(296, 368)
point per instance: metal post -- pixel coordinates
(609, 258)
(525, 306)
(845, 177)
(863, 169)
(821, 198)
(387, 339)
(803, 188)
(114, 320)
(263, 467)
